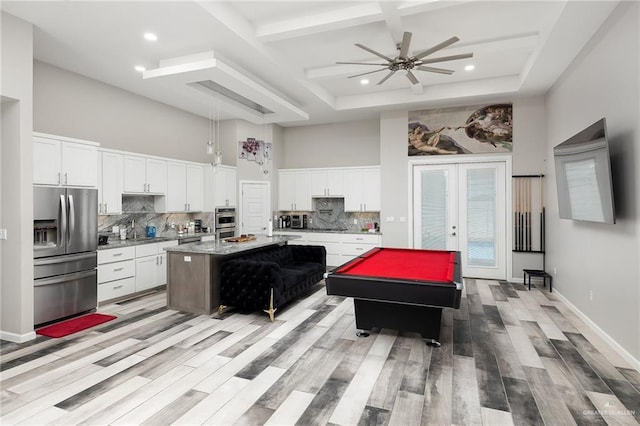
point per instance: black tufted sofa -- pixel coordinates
(270, 278)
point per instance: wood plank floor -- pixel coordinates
(508, 356)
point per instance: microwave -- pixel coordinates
(298, 221)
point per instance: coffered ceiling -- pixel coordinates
(275, 61)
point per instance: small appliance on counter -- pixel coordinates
(197, 225)
(103, 239)
(151, 230)
(284, 221)
(299, 221)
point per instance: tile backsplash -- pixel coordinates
(141, 209)
(328, 213)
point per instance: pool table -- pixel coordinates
(401, 289)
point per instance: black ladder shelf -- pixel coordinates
(524, 223)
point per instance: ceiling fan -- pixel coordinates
(408, 63)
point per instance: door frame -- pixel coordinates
(466, 159)
(241, 184)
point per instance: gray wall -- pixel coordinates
(332, 145)
(69, 104)
(16, 180)
(604, 259)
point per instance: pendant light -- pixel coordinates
(217, 157)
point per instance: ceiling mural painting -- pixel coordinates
(478, 129)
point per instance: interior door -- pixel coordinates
(463, 207)
(255, 208)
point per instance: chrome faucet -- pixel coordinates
(133, 226)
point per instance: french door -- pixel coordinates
(462, 207)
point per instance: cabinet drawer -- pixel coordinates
(147, 250)
(114, 289)
(115, 255)
(335, 260)
(361, 238)
(161, 246)
(116, 271)
(356, 249)
(321, 237)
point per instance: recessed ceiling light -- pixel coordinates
(364, 81)
(150, 36)
(469, 67)
(140, 68)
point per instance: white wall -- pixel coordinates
(332, 145)
(603, 259)
(72, 105)
(16, 180)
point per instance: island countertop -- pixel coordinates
(223, 248)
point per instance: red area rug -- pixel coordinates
(74, 325)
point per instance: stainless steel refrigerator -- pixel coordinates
(65, 241)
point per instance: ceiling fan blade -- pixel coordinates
(361, 63)
(386, 77)
(437, 47)
(438, 70)
(404, 47)
(361, 46)
(365, 73)
(447, 58)
(412, 78)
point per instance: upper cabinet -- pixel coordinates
(64, 161)
(185, 187)
(143, 175)
(362, 189)
(110, 182)
(225, 186)
(294, 190)
(327, 182)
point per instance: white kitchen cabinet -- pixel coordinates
(362, 189)
(225, 186)
(151, 265)
(327, 182)
(185, 187)
(354, 245)
(331, 243)
(116, 273)
(110, 182)
(294, 190)
(59, 161)
(143, 175)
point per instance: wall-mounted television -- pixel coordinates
(583, 176)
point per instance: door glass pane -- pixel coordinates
(481, 217)
(434, 210)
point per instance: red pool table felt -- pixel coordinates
(407, 264)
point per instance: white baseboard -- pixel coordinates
(600, 332)
(17, 338)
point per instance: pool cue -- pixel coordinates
(529, 218)
(517, 216)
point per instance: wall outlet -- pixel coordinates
(403, 219)
(3, 234)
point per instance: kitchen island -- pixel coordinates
(193, 270)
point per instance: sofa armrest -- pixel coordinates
(248, 283)
(313, 254)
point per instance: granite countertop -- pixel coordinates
(221, 248)
(327, 231)
(115, 242)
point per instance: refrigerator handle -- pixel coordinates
(72, 219)
(63, 221)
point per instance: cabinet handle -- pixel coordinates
(359, 239)
(59, 179)
(185, 207)
(148, 187)
(118, 286)
(117, 269)
(105, 207)
(117, 254)
(65, 178)
(189, 208)
(157, 263)
(161, 261)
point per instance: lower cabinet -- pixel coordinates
(341, 248)
(128, 270)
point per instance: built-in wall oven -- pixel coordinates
(225, 222)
